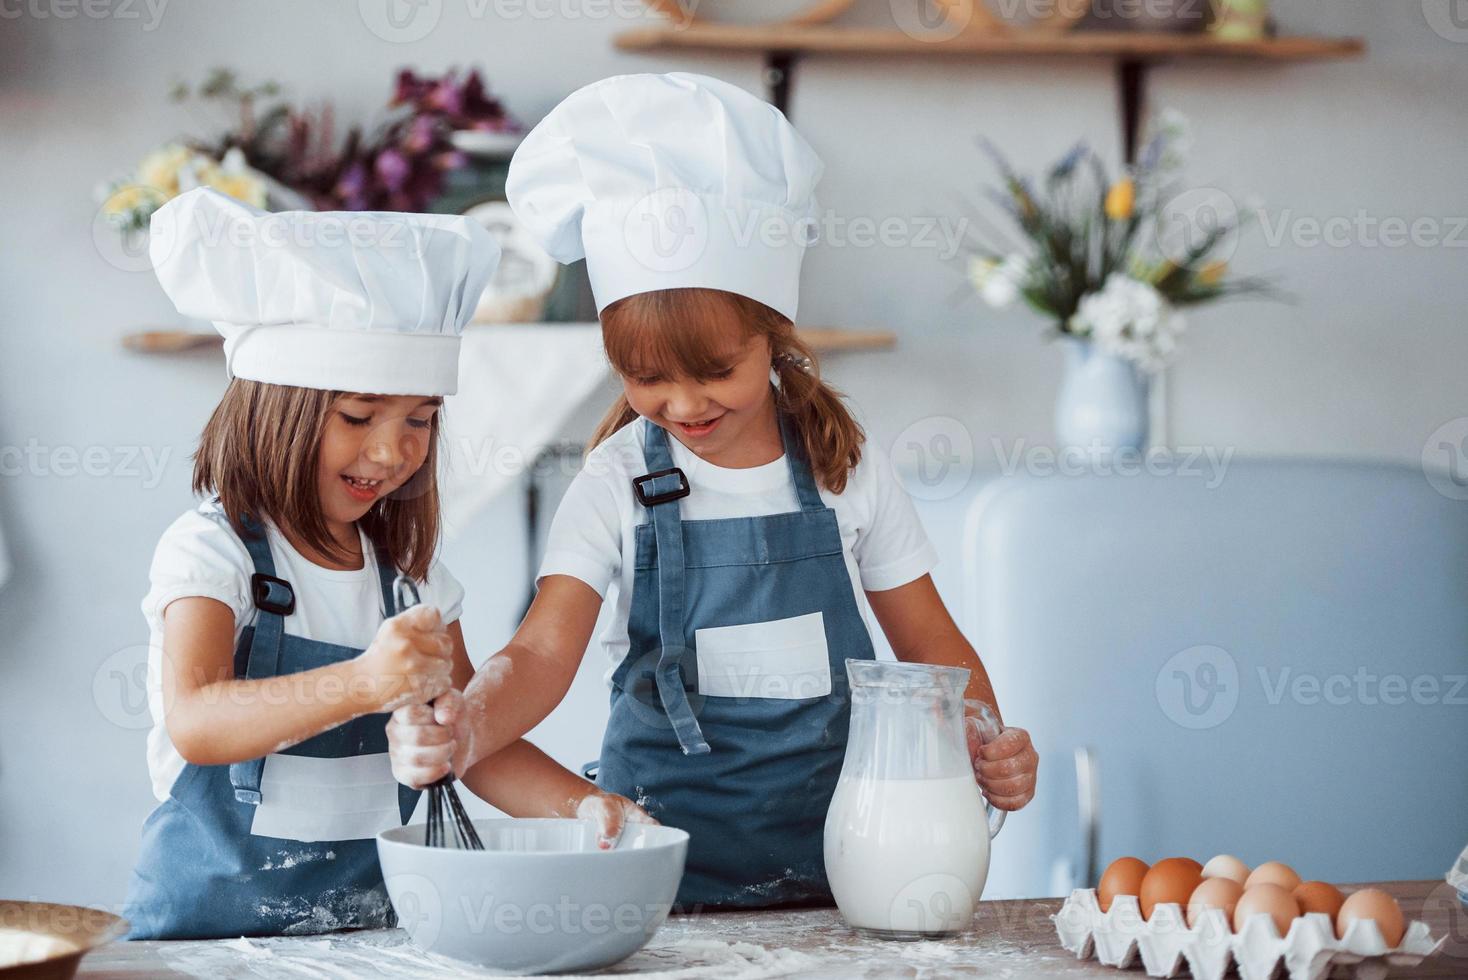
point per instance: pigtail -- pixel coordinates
(831, 436)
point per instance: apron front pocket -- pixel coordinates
(784, 659)
(311, 799)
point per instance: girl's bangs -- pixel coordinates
(673, 333)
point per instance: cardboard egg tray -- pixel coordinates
(1167, 945)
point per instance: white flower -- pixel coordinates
(1130, 319)
(1000, 283)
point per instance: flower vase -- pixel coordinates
(1102, 405)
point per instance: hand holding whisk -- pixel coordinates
(447, 817)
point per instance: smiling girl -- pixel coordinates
(731, 517)
(277, 646)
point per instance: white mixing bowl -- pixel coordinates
(540, 898)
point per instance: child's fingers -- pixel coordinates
(411, 715)
(423, 618)
(1010, 786)
(417, 766)
(1009, 792)
(1010, 742)
(612, 823)
(426, 736)
(449, 708)
(1004, 768)
(407, 739)
(1010, 802)
(603, 810)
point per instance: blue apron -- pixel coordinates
(202, 874)
(729, 713)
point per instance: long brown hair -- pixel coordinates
(259, 453)
(681, 333)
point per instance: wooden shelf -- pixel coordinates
(833, 340)
(824, 340)
(824, 38)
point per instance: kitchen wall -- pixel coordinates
(1366, 361)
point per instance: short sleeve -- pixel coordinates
(892, 548)
(443, 591)
(585, 540)
(199, 555)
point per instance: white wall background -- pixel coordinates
(1368, 361)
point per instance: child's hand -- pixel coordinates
(611, 814)
(1004, 765)
(427, 742)
(410, 660)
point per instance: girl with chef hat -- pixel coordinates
(731, 517)
(279, 641)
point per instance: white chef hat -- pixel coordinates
(367, 301)
(663, 181)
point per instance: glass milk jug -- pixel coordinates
(907, 836)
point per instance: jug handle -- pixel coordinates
(981, 718)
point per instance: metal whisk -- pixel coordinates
(444, 805)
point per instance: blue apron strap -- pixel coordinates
(800, 474)
(387, 578)
(667, 526)
(274, 600)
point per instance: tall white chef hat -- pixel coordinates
(367, 301)
(663, 181)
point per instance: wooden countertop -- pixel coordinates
(1009, 939)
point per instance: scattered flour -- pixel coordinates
(712, 946)
(288, 860)
(389, 953)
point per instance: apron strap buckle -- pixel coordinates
(652, 499)
(272, 595)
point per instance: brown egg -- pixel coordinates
(1271, 899)
(1273, 873)
(1214, 893)
(1317, 896)
(1226, 866)
(1122, 877)
(1372, 903)
(1169, 880)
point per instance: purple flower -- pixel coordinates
(392, 168)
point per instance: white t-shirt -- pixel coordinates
(200, 555)
(882, 540)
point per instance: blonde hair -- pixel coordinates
(681, 332)
(259, 453)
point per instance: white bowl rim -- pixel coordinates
(393, 837)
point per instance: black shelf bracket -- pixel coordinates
(1131, 90)
(779, 72)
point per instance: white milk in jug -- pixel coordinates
(907, 855)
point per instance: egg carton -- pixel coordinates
(1167, 944)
